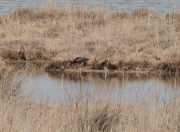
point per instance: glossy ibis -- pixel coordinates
(79, 60)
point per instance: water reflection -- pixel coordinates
(60, 88)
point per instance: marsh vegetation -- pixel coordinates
(139, 41)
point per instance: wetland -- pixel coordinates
(130, 83)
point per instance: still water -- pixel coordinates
(160, 6)
(62, 88)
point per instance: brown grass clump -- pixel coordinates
(86, 117)
(2, 68)
(175, 19)
(26, 51)
(10, 83)
(145, 14)
(27, 54)
(57, 65)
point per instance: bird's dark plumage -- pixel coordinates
(80, 60)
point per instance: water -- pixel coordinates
(62, 88)
(160, 6)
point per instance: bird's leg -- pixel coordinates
(68, 65)
(106, 70)
(80, 67)
(79, 70)
(62, 68)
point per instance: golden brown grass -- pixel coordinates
(84, 117)
(139, 38)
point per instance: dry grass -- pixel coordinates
(84, 117)
(142, 37)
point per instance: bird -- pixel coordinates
(79, 60)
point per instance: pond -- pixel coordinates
(160, 6)
(61, 88)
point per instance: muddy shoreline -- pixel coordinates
(101, 67)
(121, 67)
(154, 72)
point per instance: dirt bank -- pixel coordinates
(120, 67)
